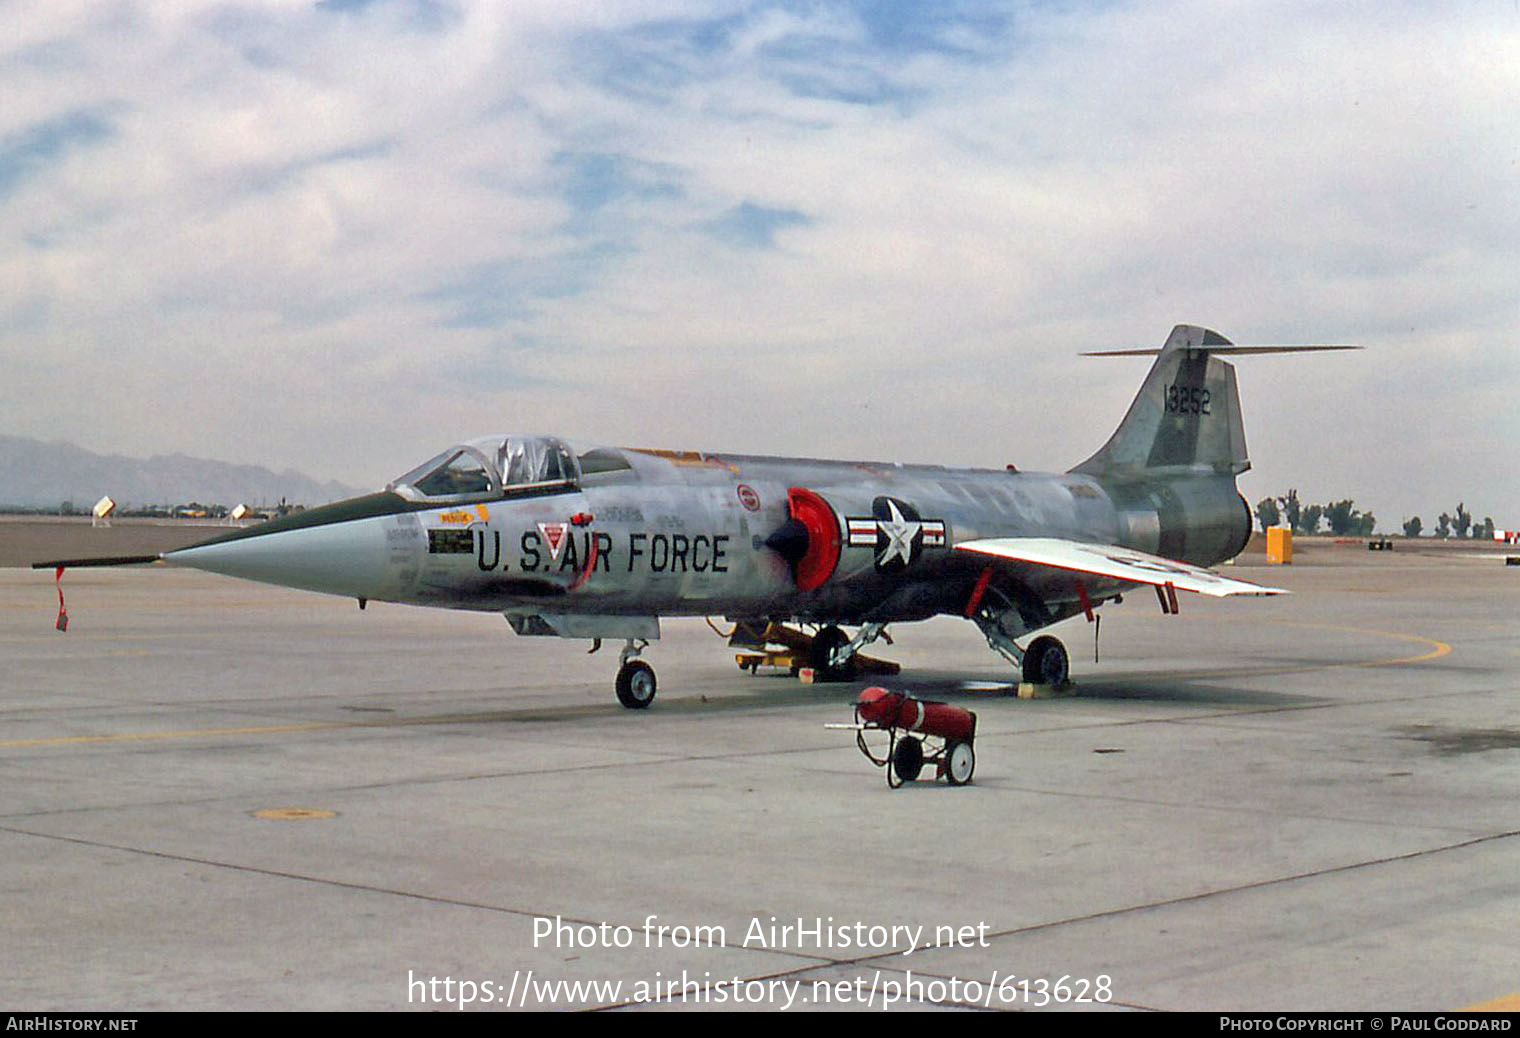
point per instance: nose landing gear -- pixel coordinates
(636, 683)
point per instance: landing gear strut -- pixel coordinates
(1045, 662)
(636, 684)
(832, 652)
(827, 659)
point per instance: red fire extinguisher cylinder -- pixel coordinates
(896, 710)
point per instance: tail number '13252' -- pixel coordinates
(1182, 399)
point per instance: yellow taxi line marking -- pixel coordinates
(1507, 1004)
(267, 729)
(1438, 649)
(86, 740)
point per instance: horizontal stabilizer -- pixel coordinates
(1115, 563)
(1224, 350)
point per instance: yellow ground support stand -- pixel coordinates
(794, 654)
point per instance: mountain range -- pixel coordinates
(34, 474)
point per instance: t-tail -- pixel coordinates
(1185, 421)
(1170, 467)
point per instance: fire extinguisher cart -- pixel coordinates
(919, 732)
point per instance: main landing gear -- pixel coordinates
(1045, 662)
(832, 653)
(636, 685)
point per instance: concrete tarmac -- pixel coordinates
(220, 795)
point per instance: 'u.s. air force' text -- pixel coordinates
(593, 550)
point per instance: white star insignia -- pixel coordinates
(899, 533)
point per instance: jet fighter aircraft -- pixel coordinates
(594, 542)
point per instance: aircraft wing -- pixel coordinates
(1115, 563)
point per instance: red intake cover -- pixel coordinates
(813, 512)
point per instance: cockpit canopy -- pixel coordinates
(501, 466)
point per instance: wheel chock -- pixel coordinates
(1028, 690)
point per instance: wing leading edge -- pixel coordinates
(1115, 563)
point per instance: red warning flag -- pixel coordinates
(63, 614)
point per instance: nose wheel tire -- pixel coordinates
(1046, 662)
(636, 685)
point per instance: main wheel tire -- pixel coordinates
(960, 762)
(1046, 662)
(907, 759)
(636, 685)
(823, 645)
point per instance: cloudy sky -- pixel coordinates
(339, 236)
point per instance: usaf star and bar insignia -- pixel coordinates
(897, 532)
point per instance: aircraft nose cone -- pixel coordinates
(341, 558)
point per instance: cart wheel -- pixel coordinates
(960, 762)
(908, 759)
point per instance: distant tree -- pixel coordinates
(1343, 519)
(1308, 519)
(1290, 508)
(67, 508)
(1463, 521)
(1412, 527)
(1366, 524)
(1267, 513)
(1486, 531)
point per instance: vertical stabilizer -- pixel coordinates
(1185, 419)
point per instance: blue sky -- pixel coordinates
(337, 236)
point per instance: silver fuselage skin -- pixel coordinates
(602, 542)
(685, 535)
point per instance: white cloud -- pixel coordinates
(335, 238)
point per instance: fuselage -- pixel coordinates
(652, 533)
